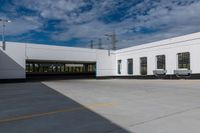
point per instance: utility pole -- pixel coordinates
(113, 39)
(91, 44)
(100, 43)
(4, 21)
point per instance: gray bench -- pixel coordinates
(160, 73)
(183, 73)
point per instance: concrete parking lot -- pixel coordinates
(104, 106)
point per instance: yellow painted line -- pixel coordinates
(31, 116)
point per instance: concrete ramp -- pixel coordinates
(12, 62)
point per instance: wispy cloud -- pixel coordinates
(135, 22)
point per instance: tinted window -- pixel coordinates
(130, 66)
(184, 60)
(160, 61)
(143, 65)
(119, 62)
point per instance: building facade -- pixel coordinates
(171, 55)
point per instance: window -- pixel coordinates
(184, 60)
(160, 61)
(52, 67)
(143, 65)
(130, 66)
(27, 67)
(119, 63)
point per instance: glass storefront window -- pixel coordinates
(39, 67)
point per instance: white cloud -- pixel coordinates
(168, 18)
(22, 25)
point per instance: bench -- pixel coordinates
(183, 73)
(160, 73)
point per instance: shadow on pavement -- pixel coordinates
(36, 108)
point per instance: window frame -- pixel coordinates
(163, 66)
(144, 66)
(119, 66)
(130, 72)
(184, 61)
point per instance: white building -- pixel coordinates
(171, 56)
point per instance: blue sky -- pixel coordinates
(76, 22)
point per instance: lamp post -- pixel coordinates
(4, 21)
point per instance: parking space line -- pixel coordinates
(64, 110)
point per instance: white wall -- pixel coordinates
(106, 63)
(12, 61)
(170, 48)
(47, 52)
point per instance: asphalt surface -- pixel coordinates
(140, 106)
(36, 108)
(101, 106)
